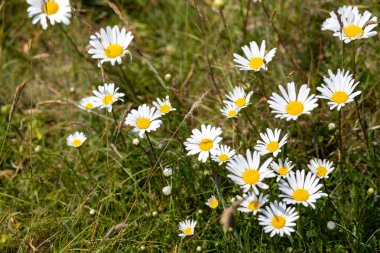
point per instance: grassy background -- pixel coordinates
(46, 199)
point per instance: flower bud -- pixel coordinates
(168, 172)
(167, 190)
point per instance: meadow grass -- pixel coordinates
(183, 49)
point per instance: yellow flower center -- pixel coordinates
(232, 113)
(253, 206)
(89, 106)
(206, 144)
(76, 143)
(278, 221)
(272, 146)
(301, 195)
(107, 99)
(352, 31)
(283, 171)
(256, 62)
(321, 171)
(143, 123)
(188, 231)
(294, 108)
(251, 176)
(223, 157)
(113, 51)
(50, 7)
(213, 203)
(240, 102)
(165, 109)
(339, 97)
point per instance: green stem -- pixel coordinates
(251, 122)
(340, 145)
(151, 146)
(84, 161)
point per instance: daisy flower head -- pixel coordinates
(247, 171)
(230, 110)
(270, 142)
(212, 202)
(298, 189)
(76, 139)
(164, 105)
(144, 119)
(56, 11)
(283, 169)
(279, 219)
(110, 44)
(203, 142)
(222, 154)
(88, 103)
(349, 24)
(187, 227)
(290, 105)
(339, 89)
(107, 95)
(321, 168)
(252, 203)
(238, 97)
(255, 57)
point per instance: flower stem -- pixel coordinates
(151, 146)
(84, 161)
(340, 145)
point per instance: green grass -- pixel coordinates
(47, 201)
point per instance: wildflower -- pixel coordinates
(252, 203)
(256, 59)
(270, 142)
(110, 44)
(331, 126)
(107, 95)
(338, 89)
(277, 218)
(92, 212)
(238, 97)
(144, 119)
(76, 139)
(164, 105)
(283, 169)
(321, 168)
(88, 103)
(230, 110)
(222, 154)
(56, 11)
(247, 172)
(291, 106)
(167, 190)
(135, 141)
(168, 172)
(331, 225)
(212, 202)
(203, 142)
(187, 227)
(298, 189)
(350, 24)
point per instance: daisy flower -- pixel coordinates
(252, 203)
(270, 142)
(76, 139)
(110, 44)
(298, 189)
(247, 172)
(164, 105)
(203, 142)
(56, 11)
(338, 89)
(144, 119)
(88, 103)
(350, 24)
(238, 97)
(291, 106)
(256, 59)
(283, 169)
(321, 168)
(222, 154)
(187, 227)
(277, 218)
(212, 202)
(107, 95)
(230, 110)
